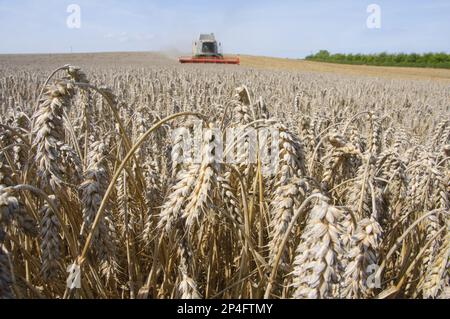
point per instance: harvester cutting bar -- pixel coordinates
(210, 60)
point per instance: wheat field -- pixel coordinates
(91, 179)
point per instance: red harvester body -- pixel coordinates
(216, 60)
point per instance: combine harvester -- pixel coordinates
(207, 50)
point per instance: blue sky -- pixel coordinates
(283, 28)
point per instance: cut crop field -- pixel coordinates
(128, 175)
(344, 69)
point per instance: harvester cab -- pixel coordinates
(207, 50)
(207, 46)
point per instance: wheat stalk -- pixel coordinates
(362, 255)
(317, 256)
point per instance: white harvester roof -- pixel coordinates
(207, 37)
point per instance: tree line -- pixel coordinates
(426, 60)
